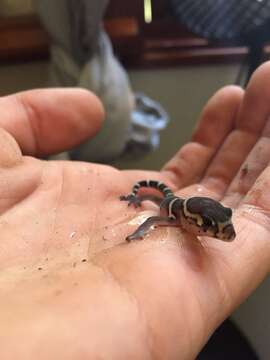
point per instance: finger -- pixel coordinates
(50, 120)
(259, 196)
(253, 166)
(254, 110)
(228, 163)
(228, 160)
(217, 120)
(251, 120)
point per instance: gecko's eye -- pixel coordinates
(207, 222)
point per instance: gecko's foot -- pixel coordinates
(137, 235)
(134, 236)
(132, 200)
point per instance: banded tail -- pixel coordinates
(158, 185)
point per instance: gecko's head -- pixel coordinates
(206, 217)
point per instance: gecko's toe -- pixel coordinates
(132, 200)
(133, 237)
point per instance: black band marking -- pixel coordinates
(166, 191)
(153, 183)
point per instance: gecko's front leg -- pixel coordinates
(153, 220)
(137, 200)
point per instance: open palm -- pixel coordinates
(71, 287)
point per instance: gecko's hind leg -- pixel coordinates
(144, 227)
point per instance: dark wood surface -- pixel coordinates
(163, 42)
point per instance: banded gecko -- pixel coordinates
(201, 216)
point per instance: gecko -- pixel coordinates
(200, 216)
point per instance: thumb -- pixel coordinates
(48, 121)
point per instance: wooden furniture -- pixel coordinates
(137, 41)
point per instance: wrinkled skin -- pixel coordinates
(160, 298)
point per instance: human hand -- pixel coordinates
(158, 298)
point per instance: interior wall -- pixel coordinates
(183, 92)
(18, 77)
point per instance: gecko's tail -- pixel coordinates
(158, 185)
